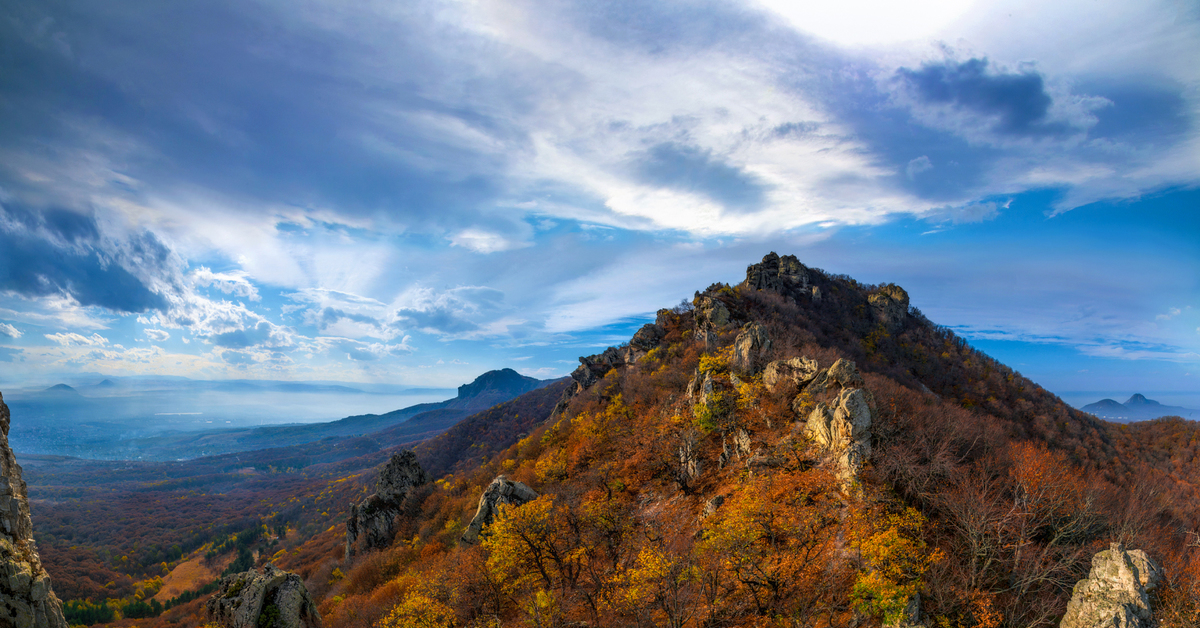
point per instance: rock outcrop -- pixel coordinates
(1116, 593)
(796, 371)
(26, 599)
(844, 430)
(500, 492)
(890, 306)
(271, 599)
(781, 274)
(372, 523)
(593, 368)
(750, 349)
(711, 316)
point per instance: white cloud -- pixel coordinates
(482, 241)
(9, 330)
(73, 340)
(234, 283)
(157, 335)
(917, 166)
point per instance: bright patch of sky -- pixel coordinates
(418, 192)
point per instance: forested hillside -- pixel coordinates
(797, 450)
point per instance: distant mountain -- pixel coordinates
(62, 389)
(1137, 408)
(430, 419)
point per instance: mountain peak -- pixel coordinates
(1139, 399)
(61, 388)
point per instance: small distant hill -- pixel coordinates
(1137, 408)
(62, 389)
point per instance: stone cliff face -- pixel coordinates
(371, 524)
(1116, 593)
(26, 599)
(271, 599)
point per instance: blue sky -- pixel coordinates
(418, 192)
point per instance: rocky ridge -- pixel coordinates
(371, 523)
(26, 598)
(271, 599)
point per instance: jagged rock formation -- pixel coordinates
(781, 274)
(593, 368)
(501, 491)
(844, 430)
(26, 599)
(750, 349)
(272, 599)
(797, 371)
(890, 306)
(372, 523)
(1116, 593)
(711, 316)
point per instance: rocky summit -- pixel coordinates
(26, 599)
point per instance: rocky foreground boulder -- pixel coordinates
(271, 599)
(502, 491)
(26, 599)
(372, 523)
(1116, 594)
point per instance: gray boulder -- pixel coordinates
(843, 430)
(500, 492)
(372, 523)
(797, 371)
(271, 599)
(1116, 594)
(26, 598)
(750, 349)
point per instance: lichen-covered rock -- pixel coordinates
(26, 598)
(797, 371)
(271, 599)
(777, 273)
(372, 523)
(1116, 593)
(501, 491)
(844, 430)
(750, 349)
(890, 306)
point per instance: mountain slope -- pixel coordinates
(797, 450)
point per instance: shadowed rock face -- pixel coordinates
(26, 599)
(1116, 592)
(371, 524)
(501, 491)
(272, 599)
